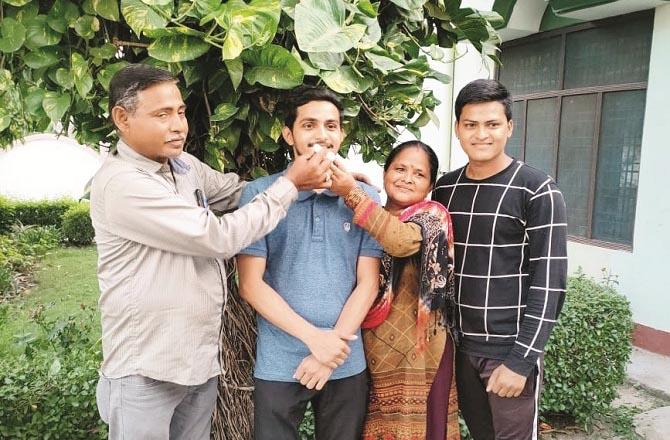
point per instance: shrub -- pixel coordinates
(77, 228)
(49, 391)
(41, 212)
(36, 240)
(587, 353)
(11, 256)
(6, 281)
(6, 214)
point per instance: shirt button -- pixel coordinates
(318, 219)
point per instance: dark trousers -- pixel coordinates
(339, 408)
(489, 416)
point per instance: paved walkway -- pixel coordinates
(652, 371)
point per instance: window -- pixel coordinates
(579, 100)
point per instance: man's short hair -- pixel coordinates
(132, 79)
(305, 94)
(484, 90)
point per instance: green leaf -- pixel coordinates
(6, 81)
(235, 71)
(326, 60)
(103, 53)
(87, 26)
(64, 78)
(382, 63)
(373, 32)
(345, 80)
(273, 66)
(33, 100)
(13, 35)
(140, 17)
(442, 77)
(39, 34)
(307, 66)
(269, 146)
(368, 8)
(233, 45)
(108, 9)
(55, 105)
(44, 57)
(16, 2)
(409, 4)
(223, 111)
(320, 27)
(177, 48)
(106, 74)
(5, 120)
(247, 25)
(83, 81)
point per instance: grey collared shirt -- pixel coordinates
(159, 260)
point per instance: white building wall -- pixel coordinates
(46, 167)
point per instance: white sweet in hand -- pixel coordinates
(316, 148)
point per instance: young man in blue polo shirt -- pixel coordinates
(311, 281)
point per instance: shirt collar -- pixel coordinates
(126, 152)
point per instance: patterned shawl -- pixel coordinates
(436, 265)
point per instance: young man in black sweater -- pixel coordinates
(510, 239)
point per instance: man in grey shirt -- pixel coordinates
(159, 260)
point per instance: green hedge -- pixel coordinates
(42, 212)
(587, 353)
(33, 212)
(77, 228)
(6, 214)
(49, 391)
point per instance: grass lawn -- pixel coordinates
(65, 279)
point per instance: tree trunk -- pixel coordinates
(233, 415)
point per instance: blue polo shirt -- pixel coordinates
(311, 262)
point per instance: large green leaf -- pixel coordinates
(83, 81)
(86, 26)
(33, 100)
(39, 34)
(64, 78)
(320, 27)
(373, 32)
(273, 66)
(235, 71)
(326, 60)
(253, 24)
(383, 63)
(16, 2)
(177, 48)
(44, 57)
(346, 80)
(13, 35)
(108, 9)
(141, 17)
(55, 105)
(223, 112)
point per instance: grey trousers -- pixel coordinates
(140, 408)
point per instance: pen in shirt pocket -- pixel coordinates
(201, 199)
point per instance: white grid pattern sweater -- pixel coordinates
(511, 261)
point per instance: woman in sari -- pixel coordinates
(407, 333)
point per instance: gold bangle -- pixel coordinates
(355, 197)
